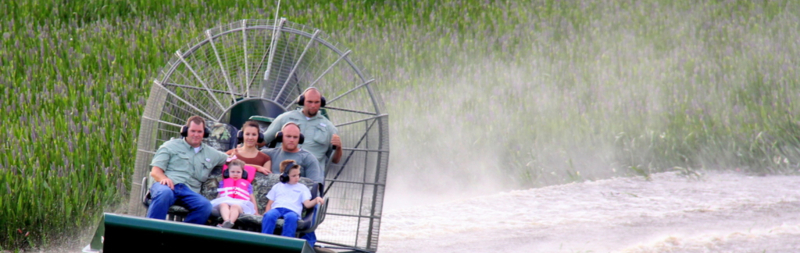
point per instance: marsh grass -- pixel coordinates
(546, 92)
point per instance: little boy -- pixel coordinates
(286, 200)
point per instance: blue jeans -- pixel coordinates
(162, 197)
(271, 217)
(311, 238)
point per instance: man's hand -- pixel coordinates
(336, 141)
(158, 175)
(168, 182)
(318, 200)
(337, 148)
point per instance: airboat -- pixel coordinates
(254, 70)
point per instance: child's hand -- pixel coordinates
(319, 200)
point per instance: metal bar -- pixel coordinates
(182, 100)
(221, 66)
(302, 33)
(375, 190)
(198, 88)
(360, 120)
(261, 63)
(349, 91)
(374, 193)
(170, 114)
(343, 246)
(352, 215)
(363, 186)
(177, 107)
(300, 59)
(348, 157)
(275, 34)
(329, 68)
(366, 150)
(180, 56)
(146, 151)
(354, 182)
(161, 121)
(246, 67)
(349, 110)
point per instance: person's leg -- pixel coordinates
(311, 238)
(235, 211)
(289, 223)
(269, 220)
(199, 206)
(224, 211)
(161, 198)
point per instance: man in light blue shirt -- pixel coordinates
(321, 136)
(180, 166)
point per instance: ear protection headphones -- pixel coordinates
(240, 135)
(279, 134)
(285, 175)
(185, 130)
(302, 98)
(227, 174)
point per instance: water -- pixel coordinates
(717, 212)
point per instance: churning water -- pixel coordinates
(716, 212)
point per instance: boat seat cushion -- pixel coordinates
(222, 136)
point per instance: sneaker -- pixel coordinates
(227, 224)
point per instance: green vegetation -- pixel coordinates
(555, 91)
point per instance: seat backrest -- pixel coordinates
(261, 186)
(222, 136)
(209, 187)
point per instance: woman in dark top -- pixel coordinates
(248, 150)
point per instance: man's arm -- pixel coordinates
(336, 142)
(158, 174)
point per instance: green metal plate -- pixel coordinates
(124, 233)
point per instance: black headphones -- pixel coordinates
(185, 130)
(240, 135)
(302, 98)
(227, 174)
(285, 175)
(279, 134)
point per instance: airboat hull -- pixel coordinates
(123, 233)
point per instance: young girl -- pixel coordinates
(235, 195)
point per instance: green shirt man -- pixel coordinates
(180, 166)
(183, 165)
(319, 132)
